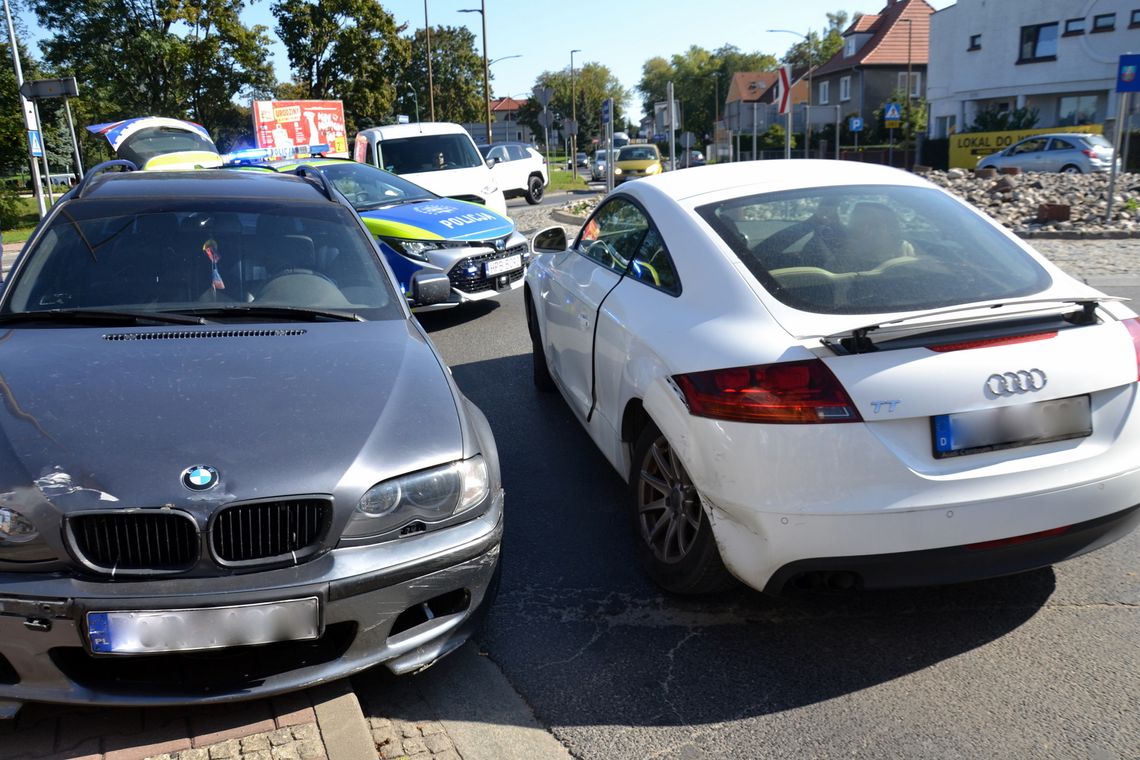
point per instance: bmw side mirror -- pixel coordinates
(550, 240)
(430, 288)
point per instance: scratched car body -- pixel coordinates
(479, 250)
(231, 461)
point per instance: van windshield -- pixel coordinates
(429, 153)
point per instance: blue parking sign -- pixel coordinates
(1128, 74)
(855, 124)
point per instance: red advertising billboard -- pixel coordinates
(283, 124)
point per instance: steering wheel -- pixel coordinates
(603, 252)
(298, 273)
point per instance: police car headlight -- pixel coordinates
(415, 249)
(429, 495)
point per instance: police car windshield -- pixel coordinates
(367, 187)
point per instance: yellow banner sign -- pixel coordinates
(967, 148)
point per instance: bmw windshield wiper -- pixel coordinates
(281, 312)
(82, 316)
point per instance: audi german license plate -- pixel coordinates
(1009, 426)
(499, 266)
(186, 630)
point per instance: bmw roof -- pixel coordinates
(202, 184)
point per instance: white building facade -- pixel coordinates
(1057, 56)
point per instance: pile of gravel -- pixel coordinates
(1016, 199)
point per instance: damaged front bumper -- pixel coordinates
(404, 604)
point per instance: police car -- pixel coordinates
(478, 249)
(158, 143)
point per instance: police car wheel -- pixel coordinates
(534, 190)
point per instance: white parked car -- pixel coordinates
(440, 156)
(835, 374)
(519, 169)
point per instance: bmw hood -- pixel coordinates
(438, 219)
(117, 417)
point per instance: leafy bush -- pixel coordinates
(11, 208)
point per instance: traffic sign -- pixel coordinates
(688, 140)
(893, 112)
(402, 118)
(607, 107)
(39, 89)
(34, 141)
(855, 124)
(543, 95)
(1128, 74)
(785, 88)
(569, 126)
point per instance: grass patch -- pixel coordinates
(561, 179)
(26, 221)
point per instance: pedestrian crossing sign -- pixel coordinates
(893, 113)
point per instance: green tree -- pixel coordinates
(349, 50)
(178, 58)
(592, 84)
(700, 81)
(914, 114)
(821, 47)
(13, 132)
(993, 120)
(457, 76)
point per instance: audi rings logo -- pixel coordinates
(1014, 383)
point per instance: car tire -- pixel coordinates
(540, 370)
(1071, 169)
(672, 532)
(534, 190)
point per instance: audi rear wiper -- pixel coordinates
(281, 312)
(85, 316)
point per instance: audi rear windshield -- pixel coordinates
(872, 249)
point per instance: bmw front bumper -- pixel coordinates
(403, 603)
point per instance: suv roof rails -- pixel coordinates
(309, 171)
(102, 168)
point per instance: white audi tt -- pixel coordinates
(833, 374)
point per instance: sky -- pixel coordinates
(620, 35)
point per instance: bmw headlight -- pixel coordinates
(430, 495)
(15, 528)
(415, 249)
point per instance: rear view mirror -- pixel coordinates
(550, 240)
(430, 288)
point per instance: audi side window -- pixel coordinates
(613, 234)
(654, 266)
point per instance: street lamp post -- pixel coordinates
(417, 102)
(574, 115)
(909, 87)
(482, 11)
(807, 113)
(716, 110)
(492, 63)
(431, 86)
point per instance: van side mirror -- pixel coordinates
(491, 161)
(550, 240)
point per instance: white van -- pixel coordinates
(437, 155)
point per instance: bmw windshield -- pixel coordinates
(244, 258)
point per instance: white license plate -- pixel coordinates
(498, 266)
(187, 630)
(1009, 426)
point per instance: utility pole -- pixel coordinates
(30, 121)
(574, 115)
(431, 86)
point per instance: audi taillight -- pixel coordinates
(1133, 327)
(798, 392)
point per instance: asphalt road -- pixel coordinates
(1042, 665)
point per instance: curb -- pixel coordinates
(341, 722)
(567, 218)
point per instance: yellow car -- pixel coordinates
(636, 161)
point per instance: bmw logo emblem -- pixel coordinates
(200, 477)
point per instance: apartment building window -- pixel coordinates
(1134, 19)
(915, 83)
(844, 88)
(975, 42)
(849, 47)
(824, 92)
(1073, 110)
(1105, 22)
(1038, 43)
(1074, 26)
